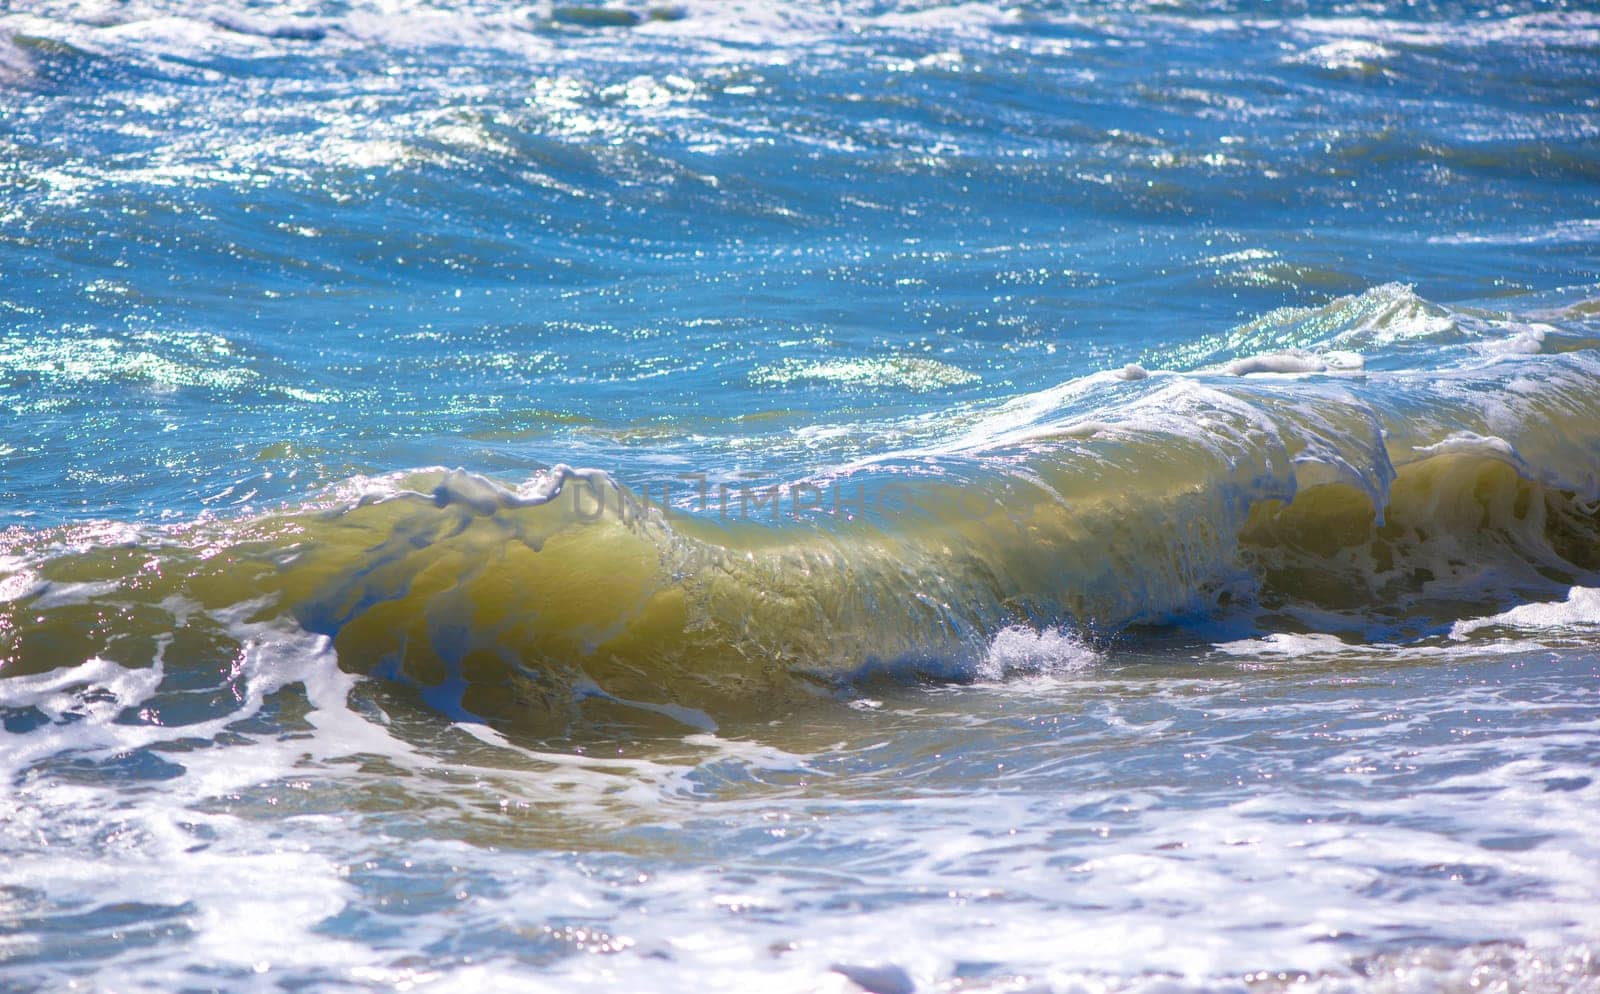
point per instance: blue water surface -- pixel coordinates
(247, 254)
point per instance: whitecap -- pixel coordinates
(1019, 650)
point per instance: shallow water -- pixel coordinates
(1086, 497)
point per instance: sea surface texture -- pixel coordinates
(799, 496)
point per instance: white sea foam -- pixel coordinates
(1287, 644)
(1580, 611)
(1295, 361)
(1018, 650)
(14, 63)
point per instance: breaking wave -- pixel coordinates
(1332, 494)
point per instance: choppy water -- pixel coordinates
(1078, 496)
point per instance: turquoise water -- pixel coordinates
(825, 496)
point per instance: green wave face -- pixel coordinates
(1340, 494)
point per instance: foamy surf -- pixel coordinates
(1020, 651)
(1578, 612)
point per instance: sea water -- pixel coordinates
(720, 496)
